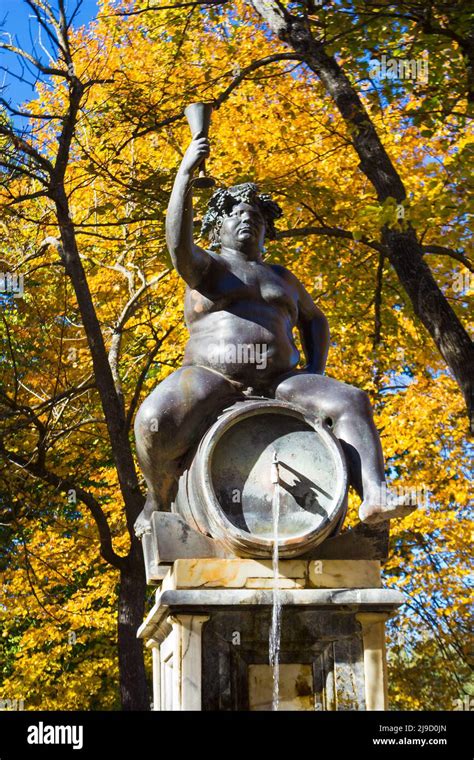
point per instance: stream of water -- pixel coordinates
(275, 628)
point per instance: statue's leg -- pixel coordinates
(169, 422)
(348, 411)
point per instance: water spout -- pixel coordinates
(275, 628)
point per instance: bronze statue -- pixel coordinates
(240, 313)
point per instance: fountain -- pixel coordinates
(224, 437)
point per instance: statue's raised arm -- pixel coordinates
(189, 260)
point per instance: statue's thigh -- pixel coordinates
(173, 415)
(319, 394)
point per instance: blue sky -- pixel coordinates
(17, 20)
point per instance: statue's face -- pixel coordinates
(244, 228)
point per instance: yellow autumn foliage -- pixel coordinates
(278, 129)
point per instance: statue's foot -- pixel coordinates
(143, 522)
(382, 505)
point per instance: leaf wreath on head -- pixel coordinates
(224, 199)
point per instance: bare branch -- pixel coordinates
(74, 13)
(47, 10)
(34, 5)
(49, 70)
(25, 147)
(28, 114)
(173, 7)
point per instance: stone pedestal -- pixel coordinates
(210, 624)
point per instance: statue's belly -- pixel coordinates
(249, 350)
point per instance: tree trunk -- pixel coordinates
(433, 310)
(133, 686)
(132, 576)
(404, 250)
(111, 404)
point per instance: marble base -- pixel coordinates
(208, 632)
(171, 538)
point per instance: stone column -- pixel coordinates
(375, 659)
(154, 645)
(187, 661)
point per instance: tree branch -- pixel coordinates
(127, 312)
(177, 6)
(253, 67)
(48, 70)
(64, 484)
(217, 102)
(24, 146)
(440, 250)
(331, 232)
(142, 377)
(378, 303)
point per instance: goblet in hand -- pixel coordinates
(199, 120)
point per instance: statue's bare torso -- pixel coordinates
(241, 320)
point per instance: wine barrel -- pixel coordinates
(227, 490)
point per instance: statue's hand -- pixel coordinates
(197, 151)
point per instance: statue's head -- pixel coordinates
(240, 217)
